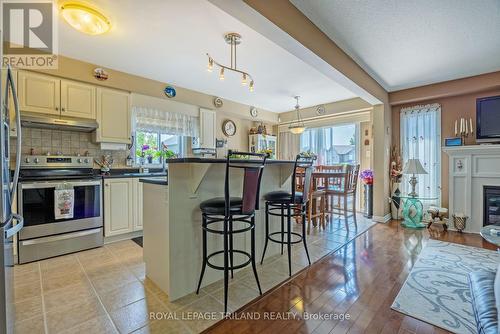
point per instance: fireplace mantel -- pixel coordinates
(470, 169)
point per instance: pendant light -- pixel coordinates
(297, 127)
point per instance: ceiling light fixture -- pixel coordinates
(298, 126)
(84, 18)
(233, 39)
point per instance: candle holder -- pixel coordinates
(463, 128)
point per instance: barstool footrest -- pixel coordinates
(239, 266)
(285, 241)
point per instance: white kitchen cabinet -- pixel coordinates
(39, 93)
(78, 99)
(208, 128)
(118, 206)
(260, 143)
(137, 205)
(45, 94)
(122, 206)
(113, 116)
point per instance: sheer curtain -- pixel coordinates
(421, 139)
(288, 145)
(154, 120)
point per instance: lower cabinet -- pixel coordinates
(122, 206)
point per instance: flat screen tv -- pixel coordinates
(488, 119)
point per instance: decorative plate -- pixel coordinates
(218, 102)
(320, 110)
(254, 112)
(170, 91)
(101, 74)
(229, 128)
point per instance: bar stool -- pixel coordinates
(228, 210)
(295, 204)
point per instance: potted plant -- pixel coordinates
(164, 154)
(146, 152)
(367, 178)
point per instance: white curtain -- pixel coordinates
(154, 120)
(288, 145)
(421, 139)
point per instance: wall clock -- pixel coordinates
(229, 128)
(254, 112)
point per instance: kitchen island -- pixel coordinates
(172, 220)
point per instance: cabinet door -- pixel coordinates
(118, 206)
(207, 128)
(78, 99)
(12, 111)
(113, 115)
(39, 93)
(138, 205)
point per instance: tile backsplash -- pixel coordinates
(64, 142)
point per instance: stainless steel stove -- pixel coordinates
(46, 233)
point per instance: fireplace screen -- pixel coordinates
(491, 205)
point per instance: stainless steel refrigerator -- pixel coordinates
(10, 223)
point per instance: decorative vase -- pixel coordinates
(368, 195)
(396, 201)
(459, 222)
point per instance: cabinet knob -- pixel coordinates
(63, 109)
(57, 108)
(106, 184)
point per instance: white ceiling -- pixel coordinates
(408, 43)
(167, 41)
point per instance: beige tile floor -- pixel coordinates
(105, 290)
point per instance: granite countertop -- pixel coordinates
(154, 181)
(222, 160)
(131, 172)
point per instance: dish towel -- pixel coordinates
(64, 201)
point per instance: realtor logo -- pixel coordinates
(29, 34)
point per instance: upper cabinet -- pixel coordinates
(39, 93)
(78, 99)
(113, 116)
(208, 128)
(45, 94)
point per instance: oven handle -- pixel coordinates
(49, 184)
(60, 237)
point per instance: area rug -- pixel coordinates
(437, 291)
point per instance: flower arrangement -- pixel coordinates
(164, 153)
(367, 176)
(309, 154)
(396, 171)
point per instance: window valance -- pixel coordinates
(154, 120)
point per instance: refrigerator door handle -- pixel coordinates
(16, 228)
(15, 180)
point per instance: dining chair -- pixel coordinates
(333, 182)
(344, 190)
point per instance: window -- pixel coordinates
(421, 139)
(149, 144)
(333, 145)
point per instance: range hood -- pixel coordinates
(58, 123)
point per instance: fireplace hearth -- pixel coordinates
(491, 195)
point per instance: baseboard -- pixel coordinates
(382, 219)
(121, 237)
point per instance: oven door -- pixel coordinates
(36, 205)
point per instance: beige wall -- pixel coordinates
(457, 99)
(82, 71)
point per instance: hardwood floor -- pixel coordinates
(360, 280)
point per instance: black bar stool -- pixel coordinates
(295, 204)
(228, 210)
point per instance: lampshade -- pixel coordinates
(413, 166)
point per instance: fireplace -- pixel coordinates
(491, 195)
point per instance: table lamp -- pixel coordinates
(413, 167)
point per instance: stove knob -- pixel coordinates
(79, 160)
(27, 160)
(36, 160)
(87, 161)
